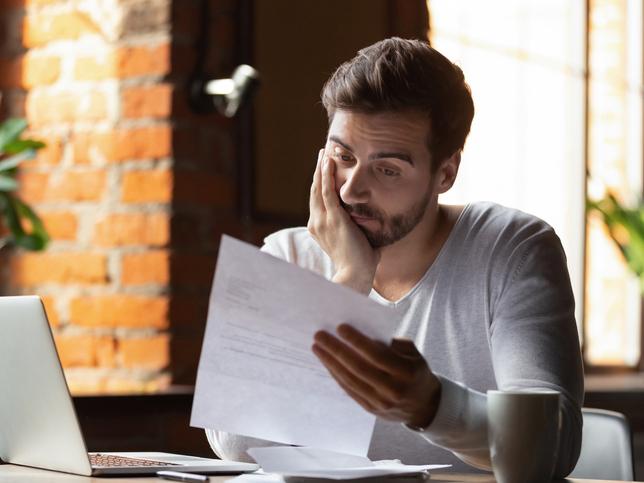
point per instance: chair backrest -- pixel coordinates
(606, 447)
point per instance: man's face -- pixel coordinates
(383, 175)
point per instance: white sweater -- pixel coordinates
(494, 311)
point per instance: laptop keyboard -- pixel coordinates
(98, 460)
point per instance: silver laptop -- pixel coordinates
(38, 424)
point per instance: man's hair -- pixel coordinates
(397, 75)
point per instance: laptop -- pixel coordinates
(38, 423)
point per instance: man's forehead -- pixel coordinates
(402, 128)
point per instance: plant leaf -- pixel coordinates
(19, 145)
(8, 184)
(13, 161)
(15, 211)
(10, 130)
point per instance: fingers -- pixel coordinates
(345, 380)
(315, 199)
(405, 347)
(386, 358)
(372, 398)
(329, 196)
(349, 358)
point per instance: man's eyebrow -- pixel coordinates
(401, 156)
(380, 155)
(337, 140)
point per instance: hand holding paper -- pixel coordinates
(392, 381)
(257, 374)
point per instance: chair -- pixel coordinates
(606, 447)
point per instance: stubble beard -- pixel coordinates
(393, 228)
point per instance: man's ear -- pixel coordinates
(446, 174)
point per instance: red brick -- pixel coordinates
(139, 61)
(40, 3)
(147, 186)
(8, 4)
(50, 154)
(119, 229)
(52, 313)
(145, 268)
(133, 61)
(43, 28)
(97, 67)
(145, 353)
(147, 101)
(150, 142)
(40, 70)
(92, 147)
(11, 70)
(69, 106)
(142, 143)
(120, 311)
(38, 187)
(60, 225)
(150, 384)
(85, 350)
(29, 269)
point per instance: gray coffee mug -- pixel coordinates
(523, 434)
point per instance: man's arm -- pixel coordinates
(534, 344)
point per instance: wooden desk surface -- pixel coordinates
(20, 474)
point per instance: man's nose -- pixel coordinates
(355, 188)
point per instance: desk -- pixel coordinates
(19, 474)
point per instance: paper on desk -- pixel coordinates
(257, 375)
(315, 463)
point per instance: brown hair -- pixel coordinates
(399, 75)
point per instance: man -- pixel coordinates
(482, 291)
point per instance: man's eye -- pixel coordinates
(389, 172)
(345, 157)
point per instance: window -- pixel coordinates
(541, 121)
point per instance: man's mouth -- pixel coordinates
(361, 219)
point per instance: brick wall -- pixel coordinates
(133, 188)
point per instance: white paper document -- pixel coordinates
(288, 461)
(257, 374)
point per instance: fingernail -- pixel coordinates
(326, 161)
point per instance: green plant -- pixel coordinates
(626, 228)
(25, 229)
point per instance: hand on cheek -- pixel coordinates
(354, 259)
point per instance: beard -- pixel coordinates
(393, 228)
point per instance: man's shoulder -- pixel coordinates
(296, 245)
(288, 239)
(499, 234)
(503, 223)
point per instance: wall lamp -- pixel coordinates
(228, 95)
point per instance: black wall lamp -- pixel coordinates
(226, 95)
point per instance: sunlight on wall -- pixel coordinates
(524, 61)
(613, 318)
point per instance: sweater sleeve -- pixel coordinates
(534, 345)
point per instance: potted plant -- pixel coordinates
(23, 227)
(626, 228)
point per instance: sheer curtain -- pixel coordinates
(524, 61)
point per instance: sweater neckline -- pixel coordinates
(374, 293)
